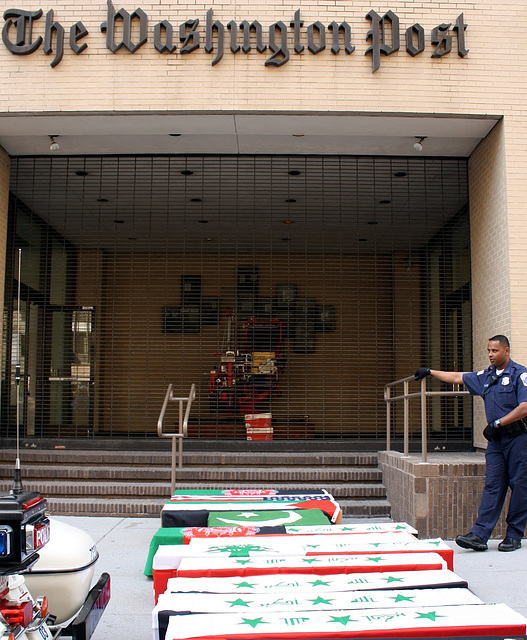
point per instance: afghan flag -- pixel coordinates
(434, 621)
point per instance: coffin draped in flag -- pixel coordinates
(301, 583)
(184, 535)
(435, 621)
(167, 564)
(204, 513)
(170, 604)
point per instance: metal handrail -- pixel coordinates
(183, 427)
(406, 397)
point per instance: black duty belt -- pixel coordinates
(515, 428)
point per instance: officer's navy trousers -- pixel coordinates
(506, 466)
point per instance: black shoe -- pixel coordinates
(472, 541)
(509, 544)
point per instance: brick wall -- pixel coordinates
(440, 497)
(96, 80)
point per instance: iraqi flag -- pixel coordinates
(170, 604)
(301, 583)
(434, 621)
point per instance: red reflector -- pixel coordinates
(16, 612)
(32, 503)
(43, 602)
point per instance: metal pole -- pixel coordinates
(387, 394)
(17, 482)
(424, 420)
(173, 473)
(406, 404)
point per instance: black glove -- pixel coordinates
(421, 373)
(492, 432)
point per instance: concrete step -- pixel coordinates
(229, 474)
(121, 507)
(124, 482)
(65, 457)
(162, 489)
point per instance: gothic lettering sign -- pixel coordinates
(131, 31)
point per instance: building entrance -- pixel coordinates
(291, 285)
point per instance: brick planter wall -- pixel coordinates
(440, 497)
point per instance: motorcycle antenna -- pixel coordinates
(17, 482)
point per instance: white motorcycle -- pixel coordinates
(46, 570)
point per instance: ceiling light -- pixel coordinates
(288, 222)
(174, 135)
(54, 146)
(418, 146)
(298, 135)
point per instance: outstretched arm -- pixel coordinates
(454, 377)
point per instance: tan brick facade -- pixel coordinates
(489, 81)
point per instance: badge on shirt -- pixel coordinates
(505, 380)
(523, 378)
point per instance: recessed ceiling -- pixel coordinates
(223, 182)
(241, 203)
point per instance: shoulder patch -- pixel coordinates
(480, 373)
(523, 378)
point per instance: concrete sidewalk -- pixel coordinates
(123, 545)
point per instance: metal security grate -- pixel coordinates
(290, 285)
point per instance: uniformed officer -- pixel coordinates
(503, 387)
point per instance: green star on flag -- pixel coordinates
(342, 619)
(254, 622)
(401, 598)
(247, 585)
(432, 615)
(320, 583)
(392, 579)
(320, 600)
(310, 560)
(243, 562)
(239, 602)
(375, 559)
(399, 526)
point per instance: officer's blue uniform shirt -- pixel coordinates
(503, 396)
